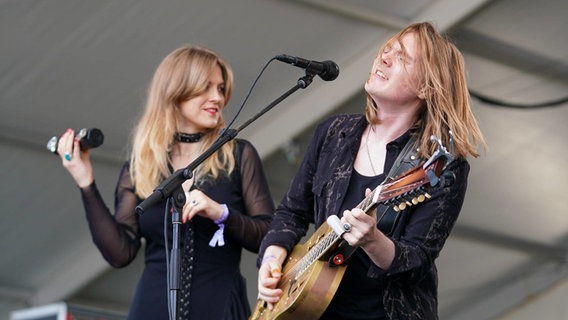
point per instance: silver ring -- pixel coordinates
(67, 156)
(193, 203)
(347, 227)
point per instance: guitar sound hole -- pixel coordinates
(294, 287)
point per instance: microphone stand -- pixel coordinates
(171, 188)
(174, 274)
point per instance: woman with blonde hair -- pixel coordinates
(228, 203)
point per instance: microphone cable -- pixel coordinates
(247, 96)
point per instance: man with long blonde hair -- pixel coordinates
(416, 89)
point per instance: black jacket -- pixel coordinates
(318, 190)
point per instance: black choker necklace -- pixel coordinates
(188, 137)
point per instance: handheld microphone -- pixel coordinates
(88, 138)
(327, 70)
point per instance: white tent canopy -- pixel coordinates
(87, 64)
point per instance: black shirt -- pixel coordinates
(358, 296)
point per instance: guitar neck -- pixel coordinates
(370, 200)
(315, 253)
(367, 204)
(331, 239)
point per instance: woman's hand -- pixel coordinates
(197, 203)
(76, 161)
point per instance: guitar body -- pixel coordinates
(306, 294)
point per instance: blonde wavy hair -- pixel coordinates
(443, 83)
(182, 75)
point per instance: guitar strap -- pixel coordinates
(387, 217)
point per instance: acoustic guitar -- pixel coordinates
(313, 270)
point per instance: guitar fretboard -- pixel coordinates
(330, 239)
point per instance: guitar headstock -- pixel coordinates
(411, 187)
(407, 189)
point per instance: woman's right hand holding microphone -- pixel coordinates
(76, 161)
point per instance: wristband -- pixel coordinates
(274, 270)
(268, 257)
(224, 215)
(218, 239)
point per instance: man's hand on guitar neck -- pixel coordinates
(364, 233)
(269, 274)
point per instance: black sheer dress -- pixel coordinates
(217, 287)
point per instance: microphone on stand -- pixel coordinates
(327, 70)
(88, 138)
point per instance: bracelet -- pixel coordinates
(268, 258)
(224, 216)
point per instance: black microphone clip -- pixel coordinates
(327, 70)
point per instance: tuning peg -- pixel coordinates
(414, 201)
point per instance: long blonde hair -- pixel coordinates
(182, 75)
(443, 83)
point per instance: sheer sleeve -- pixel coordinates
(116, 236)
(249, 227)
